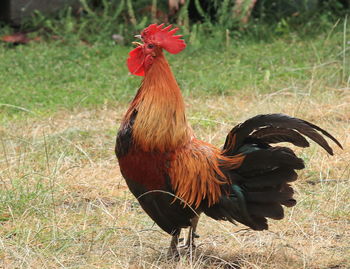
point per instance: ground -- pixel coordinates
(68, 206)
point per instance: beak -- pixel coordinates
(136, 44)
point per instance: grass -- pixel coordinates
(45, 77)
(64, 203)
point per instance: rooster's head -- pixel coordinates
(154, 39)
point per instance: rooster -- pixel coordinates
(176, 177)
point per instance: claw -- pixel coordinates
(188, 245)
(173, 254)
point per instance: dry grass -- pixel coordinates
(65, 204)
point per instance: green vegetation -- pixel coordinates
(46, 76)
(97, 20)
(77, 63)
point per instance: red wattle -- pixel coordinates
(135, 62)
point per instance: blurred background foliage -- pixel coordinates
(104, 20)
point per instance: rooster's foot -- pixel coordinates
(173, 252)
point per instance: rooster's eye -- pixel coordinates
(150, 46)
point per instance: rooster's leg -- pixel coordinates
(192, 233)
(172, 251)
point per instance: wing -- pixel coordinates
(196, 175)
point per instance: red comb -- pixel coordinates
(164, 38)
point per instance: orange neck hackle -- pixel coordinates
(161, 122)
